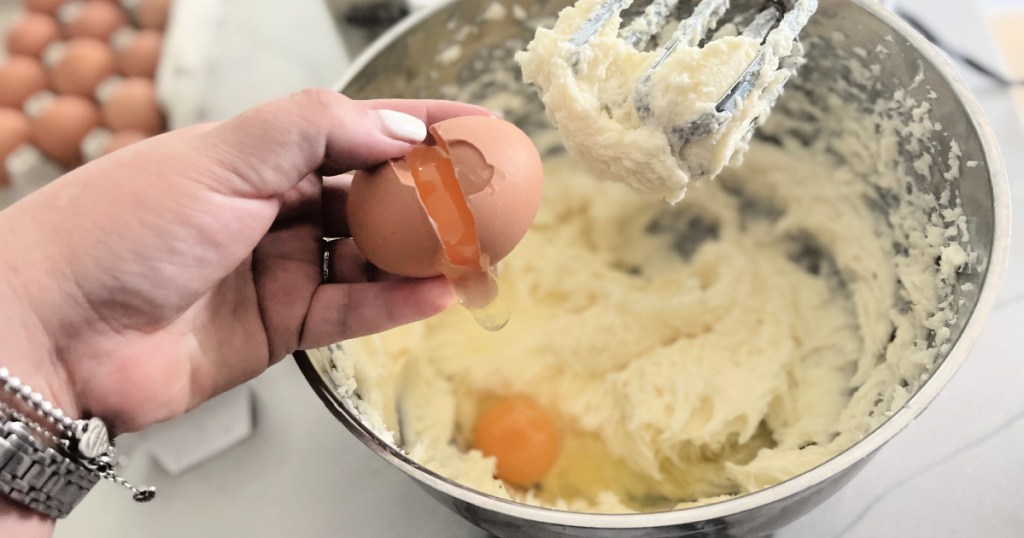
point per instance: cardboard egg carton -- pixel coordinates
(220, 57)
(34, 163)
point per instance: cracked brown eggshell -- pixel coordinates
(499, 171)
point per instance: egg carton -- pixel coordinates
(220, 57)
(82, 74)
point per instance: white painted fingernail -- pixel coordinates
(402, 126)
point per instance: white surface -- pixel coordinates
(957, 471)
(300, 475)
(221, 57)
(212, 428)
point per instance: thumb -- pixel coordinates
(267, 150)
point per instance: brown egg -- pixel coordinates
(20, 77)
(32, 34)
(14, 129)
(94, 18)
(139, 56)
(48, 7)
(123, 139)
(499, 172)
(492, 154)
(152, 14)
(84, 63)
(132, 105)
(58, 131)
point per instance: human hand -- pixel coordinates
(146, 282)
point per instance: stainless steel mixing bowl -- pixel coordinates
(404, 63)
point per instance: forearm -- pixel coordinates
(16, 520)
(27, 354)
(27, 348)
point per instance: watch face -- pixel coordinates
(93, 438)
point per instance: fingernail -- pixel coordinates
(402, 126)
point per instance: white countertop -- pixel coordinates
(956, 471)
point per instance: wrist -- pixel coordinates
(19, 520)
(29, 353)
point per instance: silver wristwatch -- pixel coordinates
(50, 469)
(39, 476)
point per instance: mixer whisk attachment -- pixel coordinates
(775, 24)
(658, 93)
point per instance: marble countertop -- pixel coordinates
(293, 471)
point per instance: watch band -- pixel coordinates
(38, 476)
(51, 472)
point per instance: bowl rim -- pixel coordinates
(847, 458)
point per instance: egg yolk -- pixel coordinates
(441, 195)
(463, 262)
(521, 436)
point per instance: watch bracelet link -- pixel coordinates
(51, 472)
(41, 477)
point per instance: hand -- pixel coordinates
(148, 281)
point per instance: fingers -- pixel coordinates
(430, 111)
(347, 263)
(266, 150)
(303, 202)
(427, 111)
(343, 311)
(335, 200)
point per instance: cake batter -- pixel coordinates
(687, 352)
(702, 350)
(592, 94)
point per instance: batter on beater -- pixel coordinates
(630, 123)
